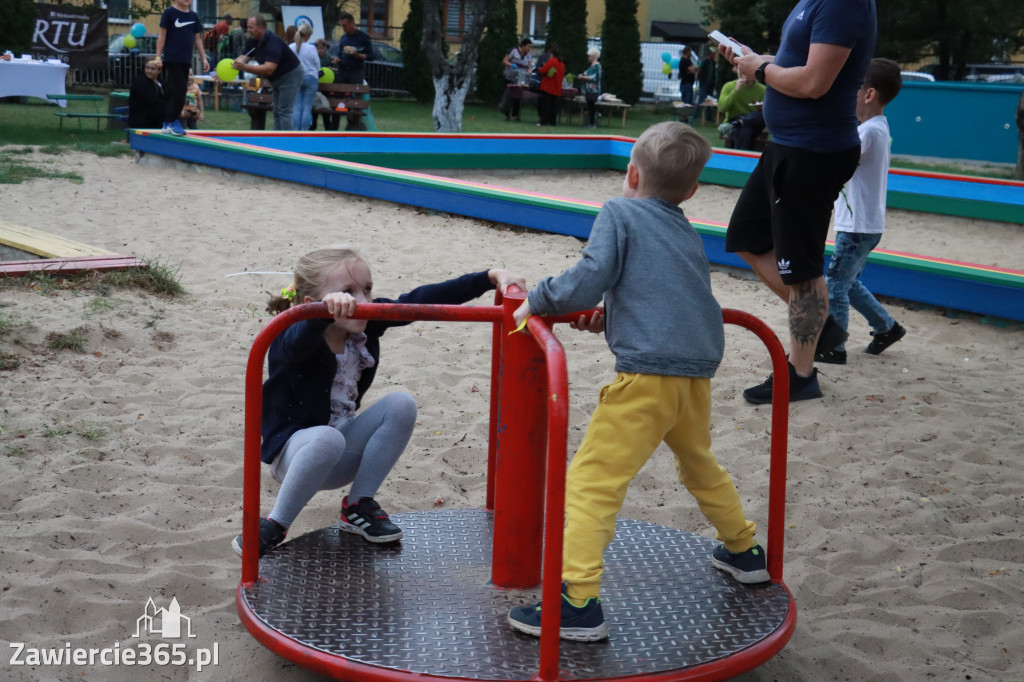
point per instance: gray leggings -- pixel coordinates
(361, 451)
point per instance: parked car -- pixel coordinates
(385, 71)
(995, 72)
(918, 76)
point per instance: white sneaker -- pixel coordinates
(167, 129)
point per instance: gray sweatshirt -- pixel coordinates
(648, 263)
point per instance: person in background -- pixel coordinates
(192, 113)
(277, 63)
(310, 60)
(220, 29)
(519, 58)
(331, 121)
(591, 85)
(781, 219)
(180, 31)
(707, 74)
(687, 76)
(743, 120)
(552, 73)
(354, 49)
(860, 216)
(147, 100)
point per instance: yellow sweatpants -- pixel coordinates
(635, 413)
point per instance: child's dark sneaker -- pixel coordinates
(831, 357)
(883, 340)
(800, 388)
(366, 518)
(271, 535)
(579, 623)
(831, 336)
(748, 567)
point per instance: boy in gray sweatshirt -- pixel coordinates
(665, 328)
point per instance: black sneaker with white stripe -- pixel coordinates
(366, 518)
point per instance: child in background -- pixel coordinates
(193, 110)
(665, 328)
(319, 370)
(860, 216)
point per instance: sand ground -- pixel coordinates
(904, 545)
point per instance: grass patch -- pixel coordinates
(73, 340)
(9, 361)
(157, 277)
(89, 431)
(14, 171)
(57, 431)
(99, 306)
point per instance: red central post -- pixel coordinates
(519, 476)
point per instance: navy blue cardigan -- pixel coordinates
(297, 394)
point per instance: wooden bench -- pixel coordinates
(351, 97)
(79, 116)
(59, 254)
(259, 102)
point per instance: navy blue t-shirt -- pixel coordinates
(829, 123)
(361, 43)
(182, 28)
(273, 49)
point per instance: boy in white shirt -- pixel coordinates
(860, 216)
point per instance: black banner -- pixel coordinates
(75, 35)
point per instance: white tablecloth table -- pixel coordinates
(32, 79)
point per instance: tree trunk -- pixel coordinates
(451, 81)
(449, 103)
(1020, 137)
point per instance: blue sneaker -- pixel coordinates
(175, 127)
(579, 623)
(748, 567)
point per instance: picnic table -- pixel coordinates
(609, 105)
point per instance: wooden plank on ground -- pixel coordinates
(69, 266)
(44, 243)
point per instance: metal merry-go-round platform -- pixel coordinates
(435, 604)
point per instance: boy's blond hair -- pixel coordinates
(670, 156)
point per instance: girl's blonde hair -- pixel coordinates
(310, 273)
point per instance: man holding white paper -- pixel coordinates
(782, 217)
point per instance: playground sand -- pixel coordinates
(904, 546)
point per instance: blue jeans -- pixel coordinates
(285, 90)
(302, 117)
(844, 287)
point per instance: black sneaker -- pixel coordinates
(271, 535)
(366, 518)
(579, 623)
(832, 357)
(883, 340)
(748, 567)
(800, 388)
(832, 336)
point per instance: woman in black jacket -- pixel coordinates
(147, 100)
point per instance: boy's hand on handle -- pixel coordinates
(521, 313)
(594, 325)
(340, 305)
(503, 279)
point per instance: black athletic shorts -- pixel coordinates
(786, 205)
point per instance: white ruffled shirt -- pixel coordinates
(344, 390)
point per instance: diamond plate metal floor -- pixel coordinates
(424, 605)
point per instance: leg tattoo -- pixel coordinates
(807, 312)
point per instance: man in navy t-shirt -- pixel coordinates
(354, 49)
(782, 217)
(277, 63)
(180, 31)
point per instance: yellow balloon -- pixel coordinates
(326, 75)
(666, 69)
(129, 41)
(225, 71)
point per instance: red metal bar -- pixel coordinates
(557, 403)
(780, 435)
(254, 395)
(492, 424)
(519, 458)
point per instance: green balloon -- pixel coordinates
(666, 69)
(326, 75)
(225, 71)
